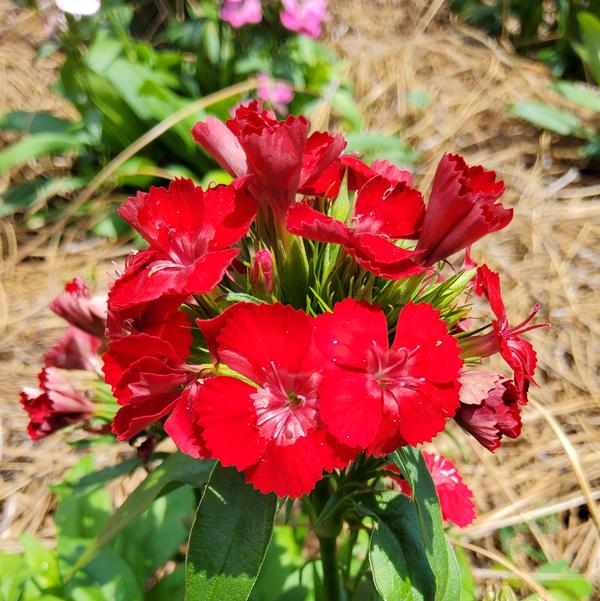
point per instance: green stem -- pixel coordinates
(331, 580)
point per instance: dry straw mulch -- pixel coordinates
(547, 485)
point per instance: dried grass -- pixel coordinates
(549, 480)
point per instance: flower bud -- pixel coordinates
(262, 271)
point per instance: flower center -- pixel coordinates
(391, 373)
(286, 405)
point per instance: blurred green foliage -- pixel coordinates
(565, 34)
(127, 69)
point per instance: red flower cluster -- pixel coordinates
(57, 403)
(363, 362)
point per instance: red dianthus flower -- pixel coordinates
(456, 498)
(55, 405)
(268, 425)
(384, 211)
(378, 396)
(462, 209)
(488, 407)
(150, 379)
(279, 155)
(190, 232)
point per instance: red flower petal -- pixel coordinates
(78, 307)
(290, 470)
(225, 412)
(133, 418)
(438, 360)
(182, 427)
(391, 209)
(344, 336)
(75, 349)
(274, 153)
(305, 221)
(349, 407)
(456, 499)
(263, 336)
(382, 257)
(462, 209)
(150, 278)
(220, 143)
(322, 148)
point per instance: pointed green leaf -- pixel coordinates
(397, 556)
(37, 145)
(229, 539)
(439, 554)
(580, 94)
(547, 117)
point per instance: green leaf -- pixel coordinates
(397, 556)
(176, 468)
(35, 146)
(547, 117)
(589, 25)
(137, 172)
(42, 562)
(559, 577)
(34, 123)
(278, 579)
(38, 191)
(579, 93)
(106, 578)
(343, 102)
(294, 275)
(381, 146)
(13, 573)
(229, 539)
(468, 589)
(81, 511)
(439, 554)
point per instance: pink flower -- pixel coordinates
(82, 310)
(277, 93)
(55, 405)
(488, 407)
(241, 12)
(304, 16)
(76, 349)
(268, 423)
